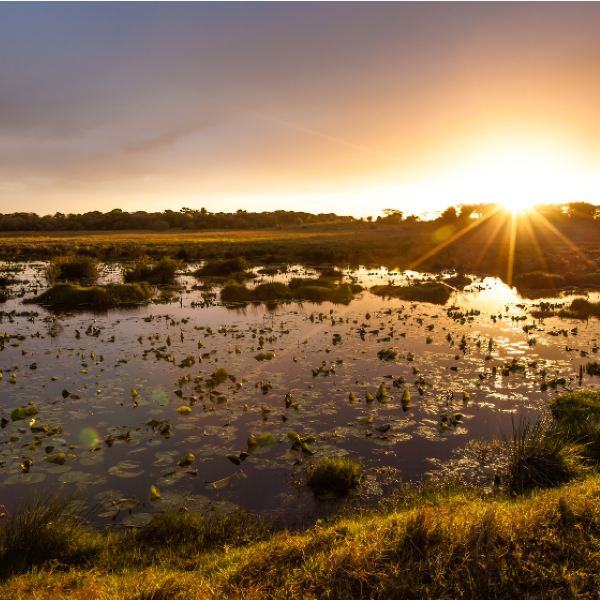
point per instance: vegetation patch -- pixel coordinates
(435, 293)
(271, 292)
(151, 271)
(222, 268)
(69, 295)
(3, 296)
(539, 280)
(460, 280)
(581, 309)
(334, 477)
(72, 267)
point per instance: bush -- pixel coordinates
(62, 268)
(161, 271)
(335, 476)
(68, 295)
(222, 268)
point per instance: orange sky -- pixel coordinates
(347, 108)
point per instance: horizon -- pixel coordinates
(342, 108)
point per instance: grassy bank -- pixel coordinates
(535, 536)
(439, 542)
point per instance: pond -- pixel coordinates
(402, 386)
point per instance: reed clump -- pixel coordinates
(334, 476)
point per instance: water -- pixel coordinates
(130, 352)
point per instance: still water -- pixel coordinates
(106, 387)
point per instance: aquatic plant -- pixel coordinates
(581, 308)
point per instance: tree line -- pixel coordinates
(194, 220)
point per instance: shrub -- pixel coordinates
(335, 476)
(144, 269)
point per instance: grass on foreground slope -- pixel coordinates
(436, 543)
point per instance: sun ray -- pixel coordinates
(563, 237)
(491, 238)
(455, 237)
(511, 249)
(535, 243)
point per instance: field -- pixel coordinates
(426, 245)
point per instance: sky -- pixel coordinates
(320, 107)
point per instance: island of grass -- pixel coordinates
(433, 292)
(581, 308)
(152, 271)
(316, 290)
(72, 267)
(69, 295)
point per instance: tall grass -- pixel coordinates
(539, 458)
(152, 271)
(69, 295)
(72, 267)
(47, 527)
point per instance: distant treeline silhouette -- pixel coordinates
(194, 220)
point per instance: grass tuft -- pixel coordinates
(70, 295)
(156, 272)
(72, 267)
(334, 476)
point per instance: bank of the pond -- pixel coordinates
(442, 541)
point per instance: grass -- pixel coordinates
(3, 296)
(438, 542)
(271, 292)
(152, 271)
(70, 295)
(436, 293)
(581, 308)
(538, 457)
(222, 268)
(72, 267)
(334, 476)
